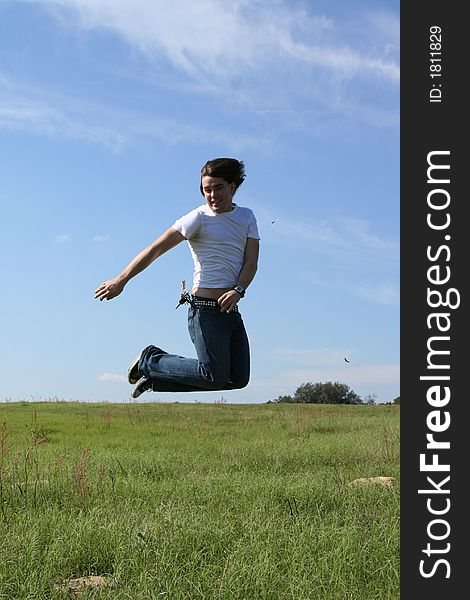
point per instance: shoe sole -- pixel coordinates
(133, 379)
(137, 390)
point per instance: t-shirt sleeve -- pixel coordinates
(189, 225)
(253, 228)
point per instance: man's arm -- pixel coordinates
(250, 265)
(113, 287)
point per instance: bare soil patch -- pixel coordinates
(78, 585)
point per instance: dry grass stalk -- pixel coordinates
(80, 474)
(385, 481)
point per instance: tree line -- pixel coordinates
(328, 393)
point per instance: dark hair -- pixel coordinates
(230, 169)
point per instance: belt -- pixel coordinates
(200, 301)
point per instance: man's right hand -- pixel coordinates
(113, 287)
(109, 289)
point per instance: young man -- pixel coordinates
(224, 242)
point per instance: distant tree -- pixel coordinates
(370, 399)
(287, 399)
(326, 393)
(396, 400)
(307, 394)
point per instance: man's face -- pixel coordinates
(217, 193)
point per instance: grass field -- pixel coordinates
(198, 501)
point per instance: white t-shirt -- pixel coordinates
(217, 242)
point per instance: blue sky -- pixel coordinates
(109, 109)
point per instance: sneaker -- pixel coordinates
(143, 385)
(133, 374)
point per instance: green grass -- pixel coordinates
(199, 501)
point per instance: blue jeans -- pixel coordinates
(223, 355)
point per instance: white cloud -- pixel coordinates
(327, 364)
(344, 61)
(298, 232)
(380, 379)
(384, 293)
(101, 238)
(361, 232)
(320, 356)
(33, 116)
(63, 237)
(208, 37)
(363, 260)
(253, 54)
(112, 377)
(346, 237)
(381, 374)
(4, 82)
(64, 117)
(246, 48)
(361, 375)
(387, 294)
